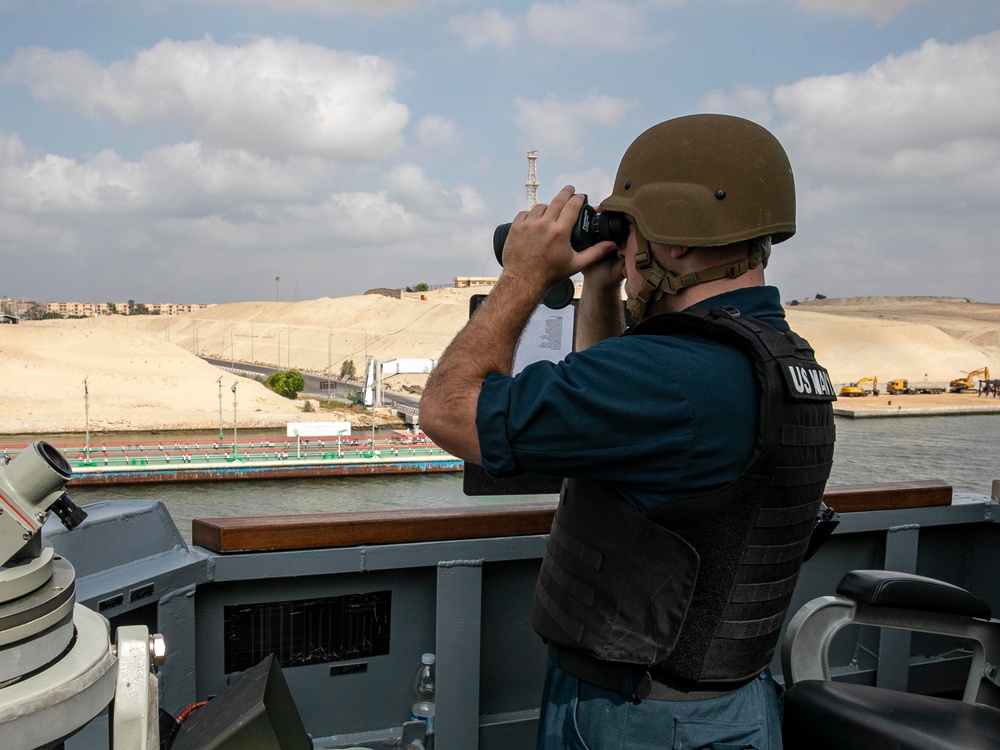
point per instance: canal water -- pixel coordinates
(961, 450)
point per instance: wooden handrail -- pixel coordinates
(888, 496)
(318, 530)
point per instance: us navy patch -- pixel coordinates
(807, 381)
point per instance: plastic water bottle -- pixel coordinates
(423, 689)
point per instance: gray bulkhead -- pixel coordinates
(467, 600)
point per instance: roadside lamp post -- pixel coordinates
(235, 443)
(277, 289)
(220, 407)
(86, 416)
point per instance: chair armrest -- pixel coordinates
(886, 588)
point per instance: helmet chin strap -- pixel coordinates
(658, 281)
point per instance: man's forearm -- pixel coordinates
(599, 314)
(486, 344)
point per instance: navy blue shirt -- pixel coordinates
(659, 417)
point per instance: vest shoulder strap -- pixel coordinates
(804, 379)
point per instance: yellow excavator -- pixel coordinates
(966, 384)
(858, 389)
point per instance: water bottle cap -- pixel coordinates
(427, 659)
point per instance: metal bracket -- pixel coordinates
(992, 673)
(136, 707)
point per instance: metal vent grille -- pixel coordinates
(307, 631)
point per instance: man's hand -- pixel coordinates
(607, 273)
(538, 249)
(537, 254)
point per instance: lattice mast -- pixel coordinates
(531, 184)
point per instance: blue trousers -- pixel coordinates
(576, 715)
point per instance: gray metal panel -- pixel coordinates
(115, 533)
(894, 645)
(958, 543)
(459, 607)
(176, 622)
(967, 510)
(346, 703)
(236, 567)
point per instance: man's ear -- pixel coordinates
(676, 252)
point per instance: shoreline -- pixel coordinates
(915, 405)
(890, 413)
(420, 461)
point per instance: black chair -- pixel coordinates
(821, 714)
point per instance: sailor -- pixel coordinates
(694, 467)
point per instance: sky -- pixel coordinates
(194, 150)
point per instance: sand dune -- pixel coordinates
(143, 373)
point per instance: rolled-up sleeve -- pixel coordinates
(491, 424)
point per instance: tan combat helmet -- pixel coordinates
(702, 181)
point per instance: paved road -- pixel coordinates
(317, 385)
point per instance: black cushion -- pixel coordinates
(822, 715)
(886, 588)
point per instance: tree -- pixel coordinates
(421, 287)
(348, 371)
(287, 384)
(820, 296)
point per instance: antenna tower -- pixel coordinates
(531, 184)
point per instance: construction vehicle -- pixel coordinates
(858, 388)
(965, 384)
(901, 386)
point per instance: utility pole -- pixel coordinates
(86, 416)
(220, 407)
(277, 289)
(235, 443)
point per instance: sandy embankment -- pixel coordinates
(142, 372)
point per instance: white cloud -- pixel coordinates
(20, 232)
(906, 127)
(931, 113)
(591, 24)
(745, 101)
(272, 97)
(409, 183)
(472, 202)
(882, 11)
(189, 179)
(490, 28)
(436, 133)
(896, 168)
(595, 182)
(12, 149)
(560, 126)
(576, 24)
(329, 8)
